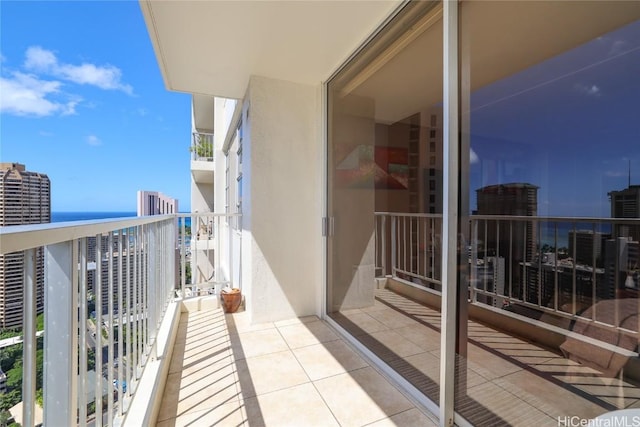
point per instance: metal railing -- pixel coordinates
(408, 246)
(202, 146)
(107, 285)
(209, 253)
(125, 271)
(578, 269)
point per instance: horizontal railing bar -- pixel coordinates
(21, 237)
(208, 214)
(412, 215)
(569, 219)
(418, 276)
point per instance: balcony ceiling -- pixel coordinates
(213, 47)
(203, 113)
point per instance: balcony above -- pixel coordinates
(202, 157)
(283, 40)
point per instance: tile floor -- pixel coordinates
(226, 372)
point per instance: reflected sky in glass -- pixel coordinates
(570, 125)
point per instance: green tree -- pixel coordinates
(10, 399)
(5, 416)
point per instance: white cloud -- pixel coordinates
(27, 95)
(589, 90)
(105, 77)
(93, 140)
(473, 157)
(45, 133)
(39, 59)
(618, 47)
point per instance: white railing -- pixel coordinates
(202, 146)
(578, 269)
(126, 268)
(209, 254)
(408, 246)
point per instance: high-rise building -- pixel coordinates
(514, 240)
(155, 203)
(626, 204)
(622, 264)
(25, 198)
(586, 246)
(515, 199)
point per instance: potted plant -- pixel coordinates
(203, 146)
(231, 299)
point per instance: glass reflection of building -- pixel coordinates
(530, 144)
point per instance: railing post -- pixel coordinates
(183, 256)
(29, 337)
(474, 260)
(98, 298)
(383, 243)
(61, 348)
(152, 284)
(393, 245)
(110, 308)
(82, 329)
(121, 342)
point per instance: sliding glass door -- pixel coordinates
(385, 195)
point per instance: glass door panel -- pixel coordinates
(385, 195)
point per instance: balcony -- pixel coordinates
(202, 157)
(537, 329)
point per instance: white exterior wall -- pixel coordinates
(282, 200)
(201, 196)
(220, 132)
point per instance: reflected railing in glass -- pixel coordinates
(572, 274)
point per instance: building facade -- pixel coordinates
(25, 198)
(155, 203)
(335, 129)
(626, 204)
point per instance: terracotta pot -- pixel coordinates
(231, 299)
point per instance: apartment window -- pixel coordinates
(432, 146)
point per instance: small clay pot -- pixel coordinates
(231, 299)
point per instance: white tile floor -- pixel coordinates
(226, 372)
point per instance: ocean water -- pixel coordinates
(86, 216)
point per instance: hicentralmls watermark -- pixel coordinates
(612, 420)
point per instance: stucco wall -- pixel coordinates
(282, 167)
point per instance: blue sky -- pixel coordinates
(82, 100)
(570, 125)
